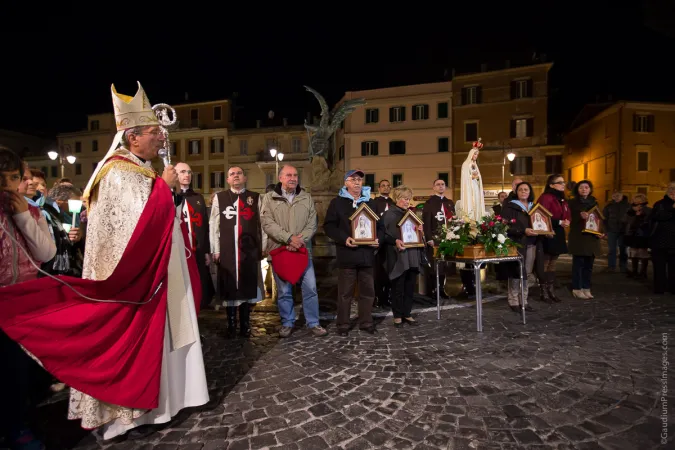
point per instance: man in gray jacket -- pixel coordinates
(289, 219)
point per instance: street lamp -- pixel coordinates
(510, 156)
(54, 155)
(278, 156)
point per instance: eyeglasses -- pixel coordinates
(183, 172)
(355, 180)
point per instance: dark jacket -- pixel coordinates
(582, 244)
(379, 204)
(434, 214)
(517, 234)
(615, 215)
(663, 225)
(337, 226)
(637, 228)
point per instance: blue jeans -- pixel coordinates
(310, 299)
(582, 269)
(615, 239)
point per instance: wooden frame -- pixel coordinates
(540, 220)
(408, 221)
(363, 225)
(595, 224)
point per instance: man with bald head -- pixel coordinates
(197, 220)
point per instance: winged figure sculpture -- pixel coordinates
(320, 134)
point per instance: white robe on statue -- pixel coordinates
(114, 212)
(472, 199)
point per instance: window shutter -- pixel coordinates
(530, 127)
(479, 94)
(528, 165)
(635, 122)
(650, 123)
(375, 148)
(426, 112)
(213, 145)
(513, 128)
(376, 115)
(391, 114)
(363, 149)
(463, 96)
(530, 87)
(415, 116)
(514, 86)
(512, 167)
(213, 179)
(402, 113)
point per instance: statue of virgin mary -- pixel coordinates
(472, 200)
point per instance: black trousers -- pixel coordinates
(664, 270)
(15, 381)
(382, 283)
(402, 291)
(349, 279)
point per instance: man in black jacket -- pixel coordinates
(355, 262)
(437, 211)
(381, 204)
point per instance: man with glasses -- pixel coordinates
(193, 213)
(355, 262)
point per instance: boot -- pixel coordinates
(544, 295)
(245, 320)
(231, 321)
(634, 273)
(550, 286)
(643, 269)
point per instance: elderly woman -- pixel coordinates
(401, 264)
(636, 227)
(662, 242)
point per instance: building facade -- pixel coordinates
(507, 109)
(626, 146)
(403, 134)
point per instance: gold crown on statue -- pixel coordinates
(133, 111)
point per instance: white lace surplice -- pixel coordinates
(113, 215)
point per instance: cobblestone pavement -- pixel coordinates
(580, 374)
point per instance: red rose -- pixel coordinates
(498, 217)
(513, 220)
(492, 224)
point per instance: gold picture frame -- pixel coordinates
(595, 224)
(541, 220)
(364, 225)
(409, 229)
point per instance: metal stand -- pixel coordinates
(477, 265)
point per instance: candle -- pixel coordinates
(74, 206)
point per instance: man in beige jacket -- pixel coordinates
(289, 218)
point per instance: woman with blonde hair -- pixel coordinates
(401, 264)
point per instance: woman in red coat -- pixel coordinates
(554, 200)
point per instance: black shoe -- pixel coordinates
(371, 329)
(245, 320)
(528, 308)
(515, 308)
(343, 332)
(231, 322)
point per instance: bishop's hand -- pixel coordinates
(170, 176)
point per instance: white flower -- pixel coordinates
(494, 235)
(499, 245)
(501, 238)
(456, 228)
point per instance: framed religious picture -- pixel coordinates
(594, 224)
(410, 233)
(364, 225)
(540, 220)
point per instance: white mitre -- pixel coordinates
(130, 112)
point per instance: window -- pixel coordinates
(341, 153)
(420, 112)
(553, 164)
(397, 179)
(78, 169)
(195, 147)
(445, 176)
(45, 170)
(472, 95)
(397, 148)
(217, 145)
(369, 148)
(174, 148)
(370, 180)
(521, 89)
(54, 172)
(78, 147)
(296, 145)
(197, 180)
(643, 161)
(442, 111)
(522, 128)
(443, 145)
(522, 165)
(194, 118)
(372, 115)
(94, 125)
(643, 190)
(94, 145)
(470, 131)
(217, 113)
(643, 123)
(243, 148)
(217, 180)
(397, 114)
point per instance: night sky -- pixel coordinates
(58, 65)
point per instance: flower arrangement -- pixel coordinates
(458, 233)
(493, 235)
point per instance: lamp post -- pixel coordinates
(278, 156)
(510, 156)
(53, 155)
